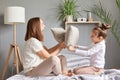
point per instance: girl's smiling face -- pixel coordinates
(95, 38)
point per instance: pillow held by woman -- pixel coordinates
(59, 34)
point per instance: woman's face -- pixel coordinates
(42, 25)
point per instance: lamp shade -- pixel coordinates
(14, 14)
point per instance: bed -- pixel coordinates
(110, 74)
(72, 62)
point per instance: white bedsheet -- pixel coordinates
(22, 77)
(59, 77)
(109, 74)
(72, 62)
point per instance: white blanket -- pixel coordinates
(72, 62)
(109, 74)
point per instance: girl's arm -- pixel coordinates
(81, 52)
(84, 47)
(88, 52)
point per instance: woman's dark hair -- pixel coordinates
(101, 30)
(34, 29)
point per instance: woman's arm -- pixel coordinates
(55, 47)
(45, 53)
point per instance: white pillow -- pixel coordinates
(72, 36)
(59, 34)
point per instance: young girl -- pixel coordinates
(96, 51)
(37, 59)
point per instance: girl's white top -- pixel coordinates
(96, 52)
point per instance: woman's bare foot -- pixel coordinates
(70, 73)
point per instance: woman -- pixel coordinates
(38, 60)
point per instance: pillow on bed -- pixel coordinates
(59, 34)
(72, 36)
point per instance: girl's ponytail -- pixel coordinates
(102, 30)
(105, 26)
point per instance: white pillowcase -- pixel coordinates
(59, 34)
(72, 36)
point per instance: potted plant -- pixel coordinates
(67, 10)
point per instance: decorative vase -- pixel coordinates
(89, 16)
(69, 18)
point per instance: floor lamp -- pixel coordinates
(13, 15)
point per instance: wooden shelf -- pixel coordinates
(78, 23)
(91, 22)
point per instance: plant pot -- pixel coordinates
(69, 18)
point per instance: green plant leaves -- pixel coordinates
(106, 17)
(67, 7)
(118, 4)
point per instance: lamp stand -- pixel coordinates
(17, 55)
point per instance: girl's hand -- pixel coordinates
(76, 46)
(71, 48)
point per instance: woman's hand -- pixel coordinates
(71, 48)
(62, 45)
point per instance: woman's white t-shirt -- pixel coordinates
(30, 58)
